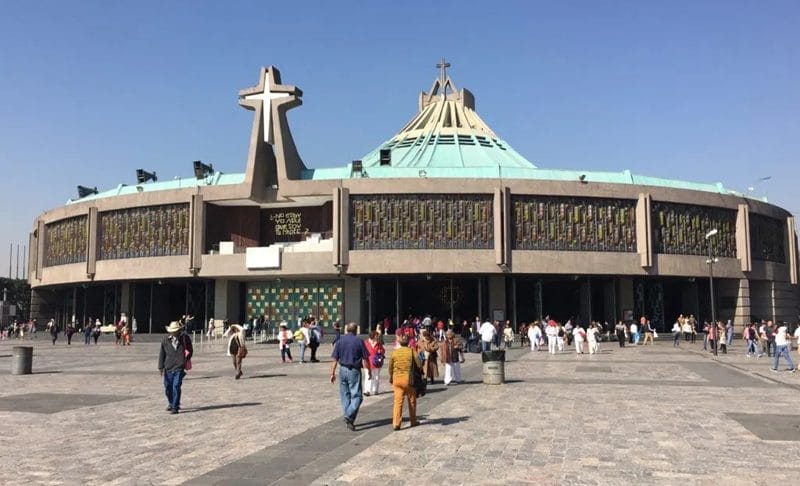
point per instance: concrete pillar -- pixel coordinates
(743, 238)
(126, 305)
(344, 227)
(497, 213)
(585, 308)
(791, 249)
(196, 233)
(497, 296)
(742, 315)
(644, 231)
(226, 300)
(352, 302)
(624, 297)
(93, 232)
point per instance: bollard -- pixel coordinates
(494, 367)
(22, 360)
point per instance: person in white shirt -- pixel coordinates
(304, 342)
(797, 336)
(782, 348)
(552, 336)
(534, 336)
(579, 335)
(592, 335)
(676, 334)
(487, 332)
(634, 333)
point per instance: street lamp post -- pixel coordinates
(711, 261)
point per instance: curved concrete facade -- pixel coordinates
(274, 187)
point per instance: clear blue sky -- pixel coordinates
(698, 90)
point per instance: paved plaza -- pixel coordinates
(638, 415)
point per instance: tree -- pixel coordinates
(18, 293)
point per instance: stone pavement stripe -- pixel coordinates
(305, 457)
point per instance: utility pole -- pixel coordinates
(17, 261)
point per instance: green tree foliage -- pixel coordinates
(18, 293)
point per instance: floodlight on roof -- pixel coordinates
(357, 168)
(143, 176)
(84, 191)
(202, 170)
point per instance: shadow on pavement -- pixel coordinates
(276, 375)
(219, 407)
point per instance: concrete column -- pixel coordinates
(791, 249)
(506, 193)
(336, 223)
(125, 301)
(352, 302)
(585, 309)
(93, 233)
(497, 295)
(743, 238)
(196, 233)
(344, 227)
(624, 296)
(40, 229)
(32, 245)
(644, 231)
(741, 316)
(226, 300)
(499, 256)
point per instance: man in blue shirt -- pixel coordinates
(350, 354)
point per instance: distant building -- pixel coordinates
(445, 218)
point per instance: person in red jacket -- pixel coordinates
(377, 355)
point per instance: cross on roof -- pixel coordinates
(443, 66)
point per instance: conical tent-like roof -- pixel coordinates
(446, 133)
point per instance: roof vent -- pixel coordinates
(386, 157)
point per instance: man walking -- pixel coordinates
(782, 348)
(487, 332)
(351, 355)
(176, 351)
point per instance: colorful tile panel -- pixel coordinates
(288, 300)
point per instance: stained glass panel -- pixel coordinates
(767, 238)
(144, 232)
(405, 221)
(65, 241)
(573, 224)
(680, 229)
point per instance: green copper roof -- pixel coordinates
(215, 179)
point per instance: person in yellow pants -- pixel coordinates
(400, 378)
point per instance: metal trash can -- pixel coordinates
(22, 360)
(494, 367)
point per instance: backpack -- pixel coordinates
(298, 335)
(313, 336)
(377, 360)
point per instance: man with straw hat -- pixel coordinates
(176, 352)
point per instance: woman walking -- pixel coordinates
(429, 348)
(237, 349)
(284, 340)
(676, 334)
(535, 336)
(451, 356)
(372, 373)
(400, 373)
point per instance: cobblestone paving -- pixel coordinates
(660, 416)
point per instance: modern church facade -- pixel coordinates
(443, 218)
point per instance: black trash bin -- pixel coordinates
(494, 367)
(22, 360)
